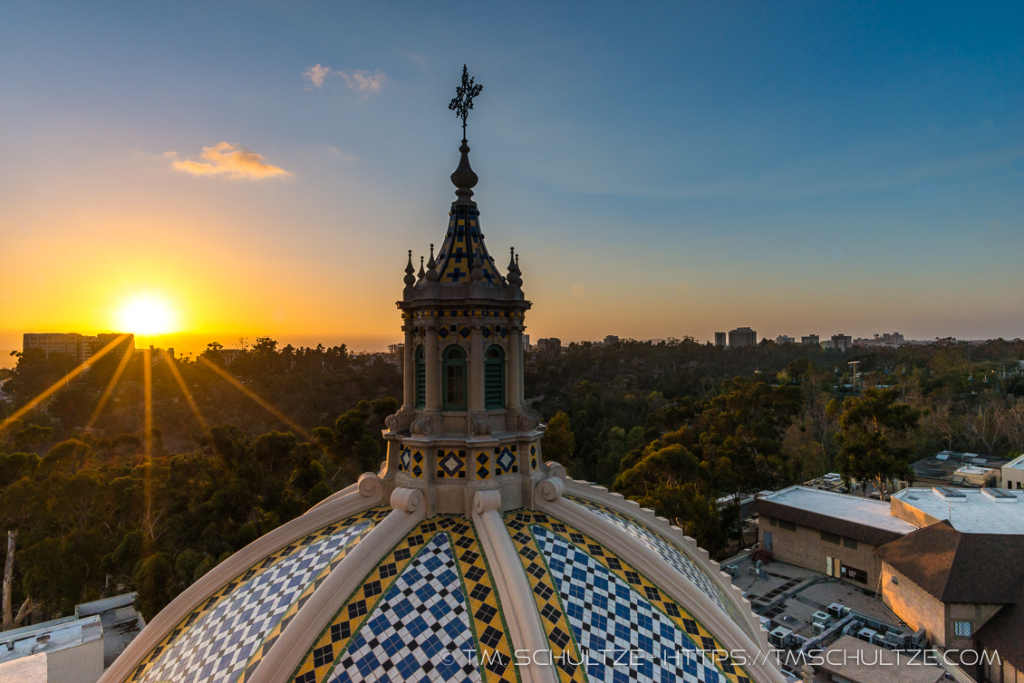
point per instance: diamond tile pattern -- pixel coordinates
(451, 464)
(218, 645)
(483, 470)
(623, 636)
(420, 629)
(505, 460)
(447, 537)
(521, 523)
(669, 553)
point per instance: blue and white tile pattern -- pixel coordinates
(218, 646)
(419, 631)
(622, 638)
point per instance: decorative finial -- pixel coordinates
(477, 273)
(513, 270)
(431, 266)
(420, 275)
(462, 103)
(410, 272)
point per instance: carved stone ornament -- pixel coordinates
(478, 424)
(527, 419)
(426, 424)
(400, 421)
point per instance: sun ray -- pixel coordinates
(147, 477)
(248, 392)
(109, 390)
(63, 381)
(184, 390)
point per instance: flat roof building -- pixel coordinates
(973, 511)
(742, 336)
(952, 468)
(828, 532)
(1012, 474)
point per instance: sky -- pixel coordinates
(663, 169)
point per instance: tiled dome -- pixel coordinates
(467, 558)
(359, 590)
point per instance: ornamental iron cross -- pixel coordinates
(463, 100)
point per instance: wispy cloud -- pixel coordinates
(229, 160)
(363, 81)
(316, 74)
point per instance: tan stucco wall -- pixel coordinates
(976, 614)
(81, 664)
(910, 514)
(804, 548)
(914, 605)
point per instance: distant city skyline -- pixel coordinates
(682, 170)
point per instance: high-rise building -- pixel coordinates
(720, 339)
(810, 339)
(842, 342)
(783, 339)
(551, 346)
(77, 347)
(64, 343)
(742, 336)
(611, 340)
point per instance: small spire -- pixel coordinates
(421, 274)
(431, 266)
(410, 272)
(513, 269)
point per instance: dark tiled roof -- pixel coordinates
(1002, 633)
(952, 566)
(816, 520)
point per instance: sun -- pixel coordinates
(147, 315)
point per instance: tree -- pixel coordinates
(8, 619)
(559, 443)
(872, 437)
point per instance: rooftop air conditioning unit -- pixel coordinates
(822, 618)
(732, 570)
(819, 628)
(866, 634)
(835, 610)
(780, 637)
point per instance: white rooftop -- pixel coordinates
(1017, 463)
(48, 637)
(866, 511)
(977, 511)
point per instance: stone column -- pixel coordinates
(522, 366)
(433, 370)
(476, 370)
(515, 362)
(409, 367)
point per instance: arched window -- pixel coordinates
(453, 372)
(494, 378)
(421, 378)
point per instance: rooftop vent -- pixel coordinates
(999, 496)
(949, 494)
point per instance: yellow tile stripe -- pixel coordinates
(479, 591)
(561, 640)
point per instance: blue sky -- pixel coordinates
(663, 168)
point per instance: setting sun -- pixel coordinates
(147, 315)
